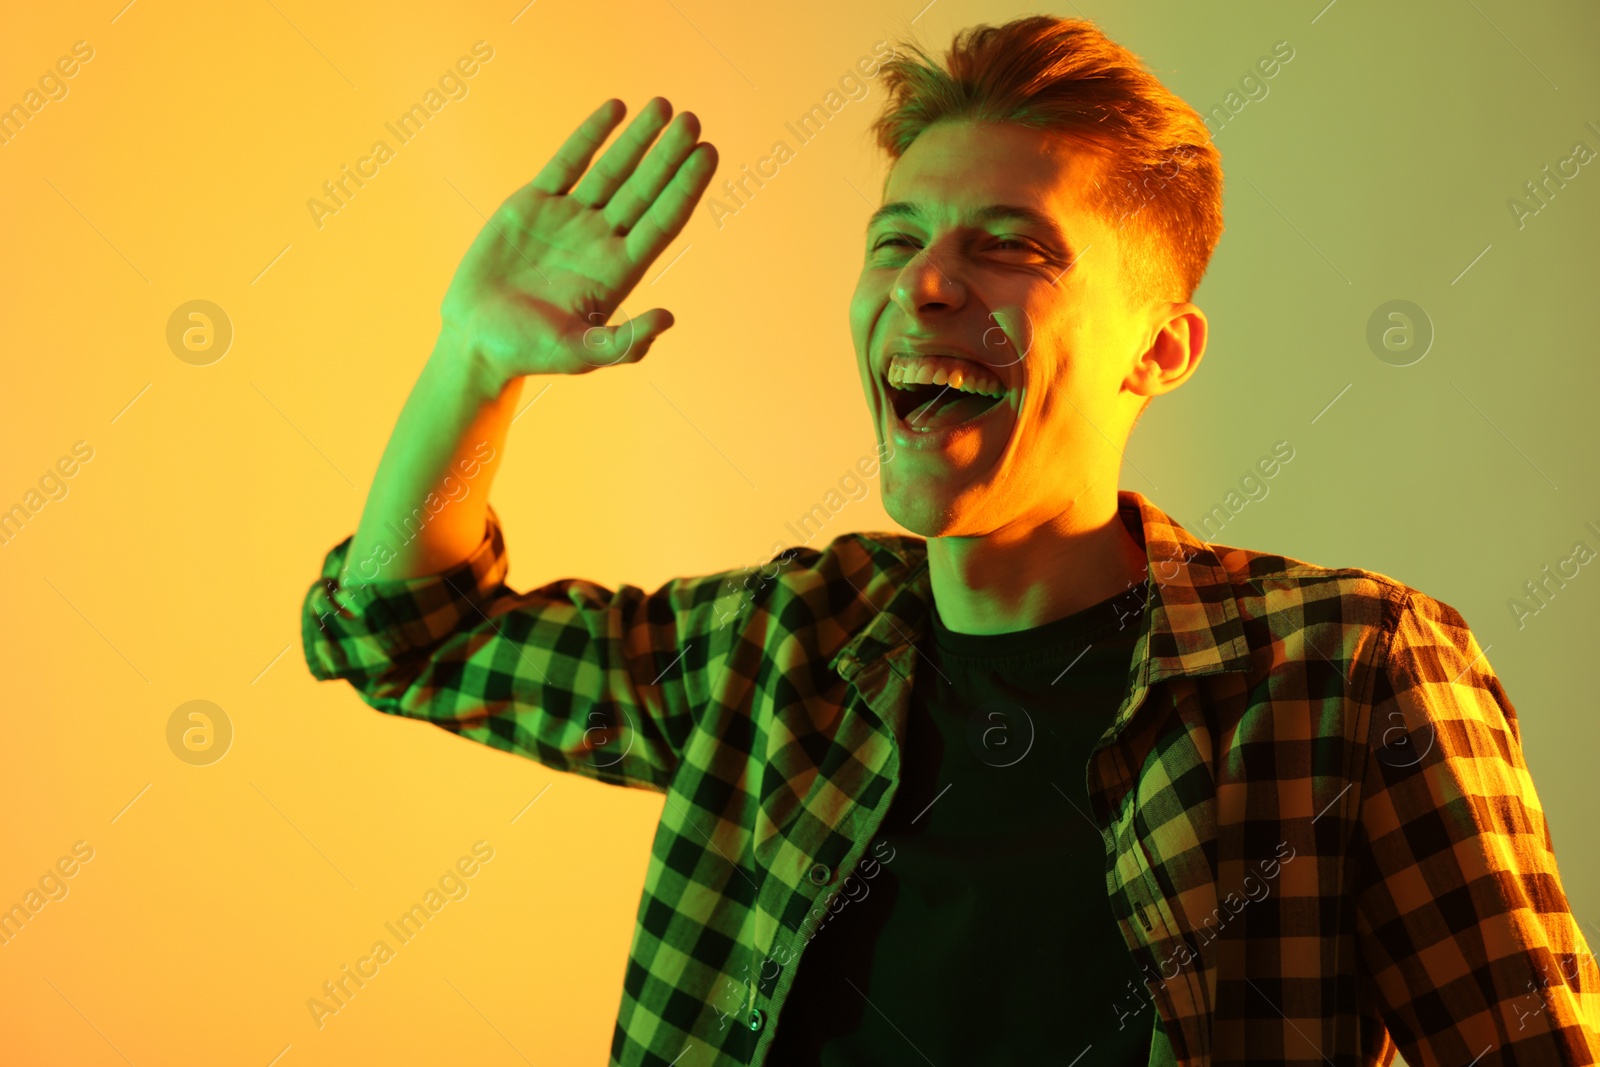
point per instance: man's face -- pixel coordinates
(1040, 309)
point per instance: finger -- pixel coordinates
(630, 202)
(647, 328)
(626, 342)
(573, 156)
(623, 156)
(671, 209)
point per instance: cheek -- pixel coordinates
(866, 305)
(1011, 337)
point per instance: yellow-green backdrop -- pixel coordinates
(175, 164)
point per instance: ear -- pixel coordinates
(1177, 343)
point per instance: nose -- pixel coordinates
(928, 283)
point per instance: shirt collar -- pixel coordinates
(1192, 627)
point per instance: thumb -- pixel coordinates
(626, 342)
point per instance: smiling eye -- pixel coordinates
(899, 240)
(1004, 244)
(1019, 244)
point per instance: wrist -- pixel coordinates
(457, 357)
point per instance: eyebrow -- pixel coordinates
(988, 213)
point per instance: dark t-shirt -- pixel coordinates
(977, 929)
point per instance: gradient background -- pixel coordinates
(178, 167)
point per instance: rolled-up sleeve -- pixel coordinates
(604, 683)
(1462, 922)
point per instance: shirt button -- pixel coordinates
(821, 874)
(756, 1018)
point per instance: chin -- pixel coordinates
(922, 513)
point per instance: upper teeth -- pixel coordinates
(953, 371)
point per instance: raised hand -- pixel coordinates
(536, 291)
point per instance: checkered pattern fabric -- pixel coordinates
(1322, 840)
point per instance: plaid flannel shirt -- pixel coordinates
(1322, 840)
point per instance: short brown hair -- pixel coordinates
(1162, 178)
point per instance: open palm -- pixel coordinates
(536, 291)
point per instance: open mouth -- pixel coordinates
(928, 408)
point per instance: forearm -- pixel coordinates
(429, 499)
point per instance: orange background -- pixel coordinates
(177, 167)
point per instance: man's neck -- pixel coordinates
(1016, 580)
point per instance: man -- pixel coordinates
(1068, 784)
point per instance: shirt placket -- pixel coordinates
(884, 687)
(1111, 775)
